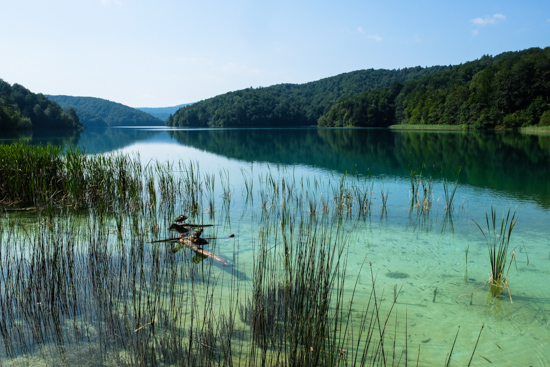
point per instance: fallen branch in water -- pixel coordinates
(141, 327)
(176, 239)
(194, 242)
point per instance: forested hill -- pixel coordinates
(511, 89)
(289, 104)
(23, 109)
(97, 112)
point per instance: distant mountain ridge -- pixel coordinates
(97, 112)
(162, 113)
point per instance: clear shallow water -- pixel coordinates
(499, 170)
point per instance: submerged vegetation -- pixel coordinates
(87, 279)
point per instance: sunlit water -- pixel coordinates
(421, 255)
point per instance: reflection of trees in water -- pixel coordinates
(61, 137)
(106, 140)
(515, 163)
(93, 141)
(302, 146)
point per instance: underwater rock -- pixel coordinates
(397, 275)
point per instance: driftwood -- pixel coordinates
(185, 227)
(194, 242)
(180, 221)
(167, 240)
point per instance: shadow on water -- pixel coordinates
(199, 260)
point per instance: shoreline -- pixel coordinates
(427, 127)
(523, 130)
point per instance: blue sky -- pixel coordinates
(167, 52)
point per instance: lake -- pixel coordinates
(380, 196)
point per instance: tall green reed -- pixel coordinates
(498, 242)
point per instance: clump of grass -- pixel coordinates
(419, 186)
(29, 174)
(498, 242)
(47, 177)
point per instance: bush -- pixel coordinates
(545, 119)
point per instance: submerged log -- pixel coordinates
(185, 227)
(180, 228)
(194, 242)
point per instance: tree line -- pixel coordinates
(511, 89)
(22, 109)
(288, 104)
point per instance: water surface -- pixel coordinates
(421, 252)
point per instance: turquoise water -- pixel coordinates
(421, 253)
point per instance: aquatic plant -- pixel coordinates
(449, 195)
(466, 268)
(419, 185)
(45, 177)
(384, 195)
(498, 241)
(304, 318)
(94, 287)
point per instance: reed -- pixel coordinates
(449, 195)
(415, 187)
(93, 285)
(45, 177)
(384, 195)
(466, 266)
(421, 193)
(498, 242)
(303, 318)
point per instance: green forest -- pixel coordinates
(511, 89)
(22, 109)
(97, 112)
(289, 104)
